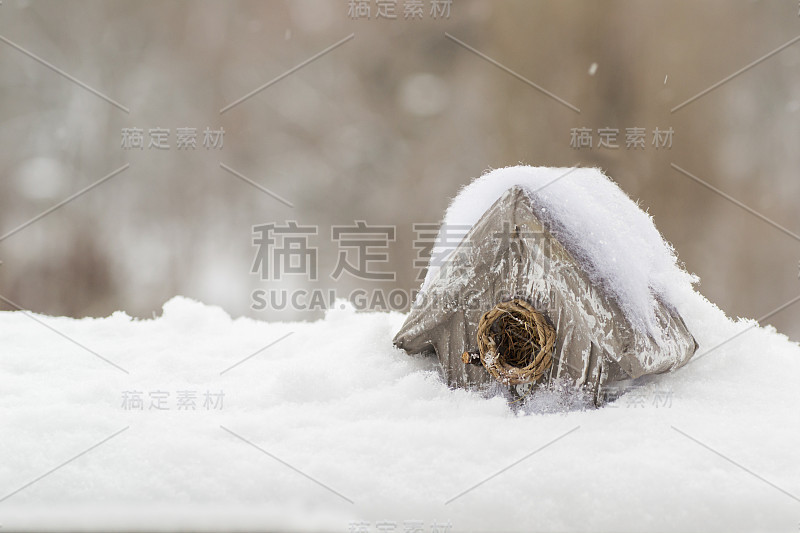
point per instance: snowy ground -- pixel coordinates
(332, 426)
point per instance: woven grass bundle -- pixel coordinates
(515, 342)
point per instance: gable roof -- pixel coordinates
(509, 253)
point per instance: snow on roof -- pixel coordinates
(611, 237)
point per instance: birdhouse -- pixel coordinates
(559, 276)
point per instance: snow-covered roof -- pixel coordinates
(611, 237)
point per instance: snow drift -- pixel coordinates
(335, 401)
